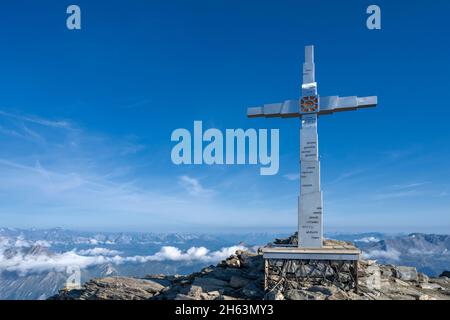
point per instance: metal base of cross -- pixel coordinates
(285, 274)
(289, 266)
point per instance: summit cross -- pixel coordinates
(308, 109)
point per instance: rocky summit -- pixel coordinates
(241, 276)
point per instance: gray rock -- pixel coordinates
(184, 297)
(238, 282)
(291, 240)
(303, 295)
(209, 284)
(421, 277)
(324, 290)
(430, 286)
(341, 295)
(406, 273)
(423, 297)
(213, 295)
(274, 295)
(195, 291)
(253, 291)
(225, 274)
(159, 279)
(295, 295)
(225, 297)
(251, 260)
(387, 271)
(233, 262)
(115, 288)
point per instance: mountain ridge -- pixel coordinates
(241, 277)
(22, 252)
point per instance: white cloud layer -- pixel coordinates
(368, 239)
(20, 242)
(99, 252)
(24, 264)
(390, 254)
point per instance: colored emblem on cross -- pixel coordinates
(309, 104)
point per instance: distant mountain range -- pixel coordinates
(33, 262)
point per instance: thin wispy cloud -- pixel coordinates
(41, 170)
(395, 155)
(31, 134)
(33, 129)
(90, 199)
(130, 148)
(83, 179)
(37, 120)
(347, 175)
(292, 176)
(11, 133)
(341, 177)
(397, 195)
(408, 185)
(193, 186)
(406, 190)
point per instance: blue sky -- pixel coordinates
(86, 116)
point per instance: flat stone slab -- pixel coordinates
(331, 252)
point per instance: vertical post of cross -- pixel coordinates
(310, 228)
(309, 72)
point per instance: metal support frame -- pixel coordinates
(280, 273)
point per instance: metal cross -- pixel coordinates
(308, 108)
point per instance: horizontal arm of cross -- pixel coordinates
(289, 108)
(327, 105)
